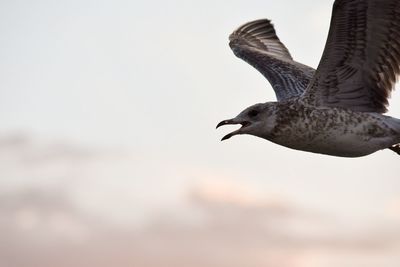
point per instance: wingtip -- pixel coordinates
(259, 34)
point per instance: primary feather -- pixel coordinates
(361, 59)
(256, 42)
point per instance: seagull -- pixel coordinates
(338, 108)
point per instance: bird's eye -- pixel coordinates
(253, 113)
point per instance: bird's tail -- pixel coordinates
(395, 125)
(397, 129)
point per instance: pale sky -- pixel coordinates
(114, 105)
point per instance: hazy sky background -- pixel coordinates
(108, 144)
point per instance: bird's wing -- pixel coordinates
(257, 43)
(361, 59)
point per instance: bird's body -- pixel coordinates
(338, 108)
(332, 131)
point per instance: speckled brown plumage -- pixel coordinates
(337, 109)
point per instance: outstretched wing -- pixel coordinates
(256, 43)
(361, 59)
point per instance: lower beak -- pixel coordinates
(232, 122)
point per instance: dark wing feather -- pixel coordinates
(361, 59)
(256, 42)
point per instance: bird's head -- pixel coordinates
(258, 120)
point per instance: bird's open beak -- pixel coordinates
(233, 122)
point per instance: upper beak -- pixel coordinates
(233, 122)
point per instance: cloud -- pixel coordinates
(208, 223)
(25, 148)
(49, 230)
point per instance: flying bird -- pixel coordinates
(338, 108)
